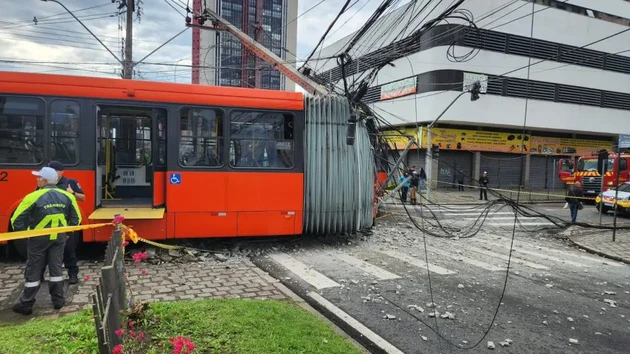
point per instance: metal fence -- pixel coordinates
(109, 299)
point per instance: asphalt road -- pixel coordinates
(377, 288)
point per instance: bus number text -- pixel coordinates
(4, 176)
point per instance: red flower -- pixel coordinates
(119, 332)
(137, 257)
(179, 343)
(140, 337)
(144, 272)
(87, 278)
(118, 219)
(132, 334)
(118, 349)
(130, 324)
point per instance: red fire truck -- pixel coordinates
(586, 172)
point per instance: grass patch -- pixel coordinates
(231, 326)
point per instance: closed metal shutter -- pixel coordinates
(450, 164)
(543, 172)
(504, 170)
(415, 158)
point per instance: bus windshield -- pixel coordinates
(590, 165)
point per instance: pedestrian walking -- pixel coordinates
(405, 188)
(575, 192)
(73, 187)
(483, 186)
(415, 181)
(460, 181)
(46, 207)
(423, 180)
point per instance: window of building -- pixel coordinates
(21, 130)
(201, 137)
(262, 140)
(64, 131)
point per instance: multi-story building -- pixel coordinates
(578, 89)
(222, 59)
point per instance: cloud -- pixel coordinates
(60, 40)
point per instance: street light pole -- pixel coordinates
(87, 29)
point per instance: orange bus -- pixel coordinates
(176, 160)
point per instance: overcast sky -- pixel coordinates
(64, 46)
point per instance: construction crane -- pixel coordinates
(221, 24)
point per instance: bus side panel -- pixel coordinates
(197, 192)
(159, 188)
(145, 228)
(265, 191)
(205, 224)
(266, 223)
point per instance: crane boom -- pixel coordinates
(263, 53)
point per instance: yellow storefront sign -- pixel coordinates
(398, 139)
(477, 140)
(566, 146)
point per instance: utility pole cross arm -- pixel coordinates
(265, 54)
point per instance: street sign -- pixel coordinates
(469, 80)
(176, 178)
(624, 141)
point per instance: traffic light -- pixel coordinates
(475, 90)
(435, 151)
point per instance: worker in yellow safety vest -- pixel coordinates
(46, 207)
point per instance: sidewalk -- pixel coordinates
(601, 243)
(233, 278)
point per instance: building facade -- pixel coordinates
(222, 59)
(578, 92)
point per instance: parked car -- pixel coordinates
(623, 197)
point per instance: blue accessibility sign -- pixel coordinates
(176, 178)
(624, 141)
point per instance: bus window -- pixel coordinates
(64, 131)
(201, 137)
(262, 140)
(21, 130)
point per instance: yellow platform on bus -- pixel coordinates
(131, 213)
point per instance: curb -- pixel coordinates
(306, 306)
(599, 253)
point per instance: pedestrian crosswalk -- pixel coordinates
(324, 269)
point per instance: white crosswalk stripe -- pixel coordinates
(300, 269)
(506, 257)
(418, 262)
(522, 250)
(565, 253)
(468, 260)
(378, 272)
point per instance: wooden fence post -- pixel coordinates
(110, 292)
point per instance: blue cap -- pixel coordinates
(46, 173)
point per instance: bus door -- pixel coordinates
(127, 146)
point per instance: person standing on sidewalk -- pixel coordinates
(575, 192)
(405, 188)
(415, 181)
(73, 187)
(423, 180)
(47, 207)
(483, 186)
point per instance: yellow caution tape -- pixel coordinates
(18, 235)
(160, 245)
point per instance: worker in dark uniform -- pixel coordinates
(44, 208)
(73, 187)
(483, 186)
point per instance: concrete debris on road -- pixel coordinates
(425, 338)
(504, 344)
(610, 292)
(556, 312)
(389, 317)
(448, 315)
(573, 341)
(461, 286)
(545, 323)
(549, 286)
(491, 345)
(415, 307)
(570, 319)
(220, 257)
(610, 302)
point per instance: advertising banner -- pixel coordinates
(477, 140)
(397, 141)
(566, 146)
(399, 88)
